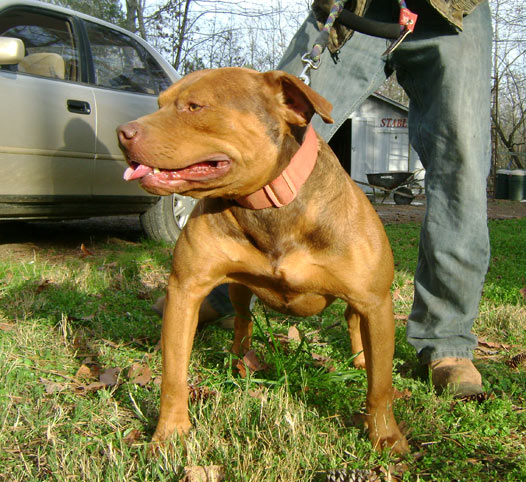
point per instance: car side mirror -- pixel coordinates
(12, 50)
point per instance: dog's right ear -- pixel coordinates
(299, 100)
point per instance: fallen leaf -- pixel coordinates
(42, 286)
(198, 392)
(323, 362)
(258, 393)
(133, 436)
(111, 343)
(92, 387)
(53, 387)
(320, 358)
(401, 317)
(7, 326)
(406, 394)
(140, 374)
(85, 371)
(494, 345)
(294, 333)
(212, 473)
(85, 251)
(250, 361)
(109, 377)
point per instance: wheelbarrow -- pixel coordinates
(398, 183)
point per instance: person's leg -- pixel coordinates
(348, 82)
(447, 77)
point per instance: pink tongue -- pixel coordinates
(136, 172)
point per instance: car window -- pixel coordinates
(49, 44)
(122, 63)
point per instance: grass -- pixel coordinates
(79, 373)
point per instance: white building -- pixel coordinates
(374, 139)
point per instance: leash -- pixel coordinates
(312, 59)
(396, 31)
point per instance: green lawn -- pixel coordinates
(80, 372)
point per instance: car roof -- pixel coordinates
(49, 6)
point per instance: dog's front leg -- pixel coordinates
(377, 328)
(178, 330)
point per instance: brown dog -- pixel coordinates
(225, 135)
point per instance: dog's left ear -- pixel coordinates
(301, 102)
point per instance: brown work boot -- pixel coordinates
(459, 375)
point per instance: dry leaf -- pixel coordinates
(7, 326)
(483, 344)
(258, 393)
(406, 394)
(140, 374)
(132, 437)
(197, 392)
(85, 371)
(323, 362)
(294, 333)
(109, 377)
(85, 251)
(92, 387)
(42, 286)
(53, 387)
(401, 317)
(212, 473)
(250, 361)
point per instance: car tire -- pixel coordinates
(165, 220)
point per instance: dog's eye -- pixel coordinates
(192, 107)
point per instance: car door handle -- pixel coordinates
(79, 107)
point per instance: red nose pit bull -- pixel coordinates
(279, 218)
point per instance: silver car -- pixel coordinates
(67, 80)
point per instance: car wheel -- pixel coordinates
(165, 220)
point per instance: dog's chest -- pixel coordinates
(295, 269)
(291, 283)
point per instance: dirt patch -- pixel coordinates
(414, 213)
(23, 240)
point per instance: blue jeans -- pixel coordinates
(447, 78)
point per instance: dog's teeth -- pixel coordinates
(156, 170)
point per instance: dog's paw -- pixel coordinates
(359, 361)
(395, 442)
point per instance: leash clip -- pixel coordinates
(309, 64)
(407, 21)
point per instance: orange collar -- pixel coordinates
(284, 189)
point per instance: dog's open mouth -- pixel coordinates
(211, 168)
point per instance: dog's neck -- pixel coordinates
(284, 189)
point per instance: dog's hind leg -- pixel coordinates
(240, 297)
(355, 335)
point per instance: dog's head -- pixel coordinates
(224, 132)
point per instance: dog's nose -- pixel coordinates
(128, 133)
